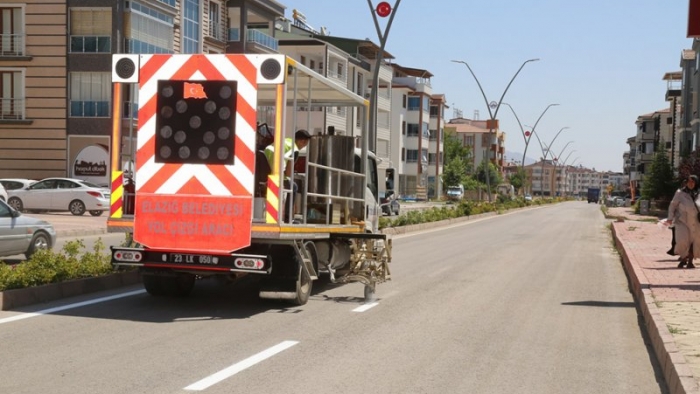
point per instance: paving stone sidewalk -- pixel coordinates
(668, 297)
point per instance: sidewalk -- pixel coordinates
(668, 297)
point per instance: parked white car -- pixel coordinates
(21, 234)
(61, 194)
(15, 183)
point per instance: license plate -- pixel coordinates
(191, 258)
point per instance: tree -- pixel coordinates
(518, 179)
(658, 184)
(454, 172)
(494, 176)
(455, 150)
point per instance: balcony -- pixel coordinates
(12, 109)
(254, 36)
(12, 45)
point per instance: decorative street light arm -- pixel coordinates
(561, 152)
(486, 100)
(510, 83)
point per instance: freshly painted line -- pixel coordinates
(365, 307)
(240, 366)
(69, 306)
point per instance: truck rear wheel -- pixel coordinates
(303, 287)
(179, 285)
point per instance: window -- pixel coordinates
(90, 30)
(403, 127)
(412, 130)
(413, 103)
(312, 64)
(432, 158)
(469, 140)
(403, 154)
(11, 94)
(90, 94)
(151, 30)
(433, 135)
(340, 70)
(215, 21)
(411, 156)
(191, 28)
(404, 100)
(434, 111)
(302, 60)
(360, 84)
(11, 31)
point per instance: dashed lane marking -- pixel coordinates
(240, 366)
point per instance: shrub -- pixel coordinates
(48, 266)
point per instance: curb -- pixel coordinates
(677, 373)
(80, 232)
(16, 298)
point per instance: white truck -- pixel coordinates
(455, 193)
(206, 203)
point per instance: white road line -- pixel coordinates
(69, 306)
(240, 366)
(365, 307)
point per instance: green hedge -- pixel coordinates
(49, 266)
(464, 208)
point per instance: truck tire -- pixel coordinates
(303, 287)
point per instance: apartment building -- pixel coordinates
(475, 135)
(33, 85)
(438, 105)
(57, 91)
(56, 59)
(655, 131)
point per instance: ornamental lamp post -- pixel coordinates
(493, 108)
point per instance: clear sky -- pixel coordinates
(602, 60)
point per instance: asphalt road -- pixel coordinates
(533, 301)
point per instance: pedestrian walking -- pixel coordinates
(673, 228)
(684, 215)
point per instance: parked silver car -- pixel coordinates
(21, 234)
(61, 194)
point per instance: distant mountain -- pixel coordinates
(518, 156)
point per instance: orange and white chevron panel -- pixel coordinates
(195, 156)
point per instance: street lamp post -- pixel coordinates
(527, 135)
(566, 171)
(492, 113)
(371, 138)
(545, 154)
